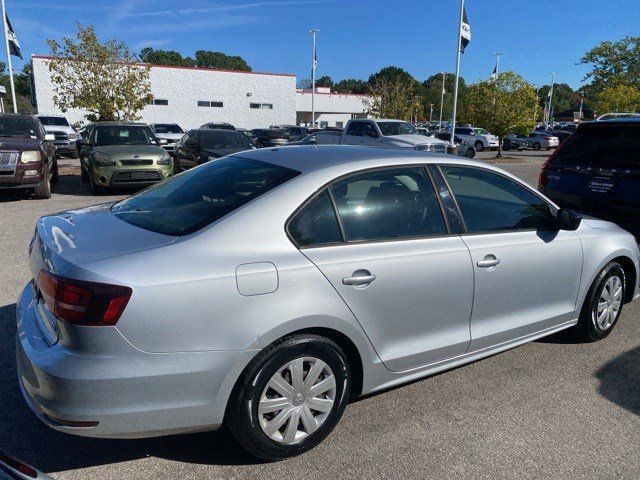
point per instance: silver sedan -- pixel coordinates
(266, 289)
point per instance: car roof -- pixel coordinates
(335, 159)
(142, 124)
(614, 121)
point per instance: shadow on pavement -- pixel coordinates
(24, 436)
(620, 380)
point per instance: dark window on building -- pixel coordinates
(266, 106)
(204, 103)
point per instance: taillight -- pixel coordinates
(82, 303)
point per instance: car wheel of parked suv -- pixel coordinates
(43, 189)
(537, 146)
(290, 397)
(603, 305)
(55, 175)
(84, 175)
(470, 153)
(479, 146)
(95, 189)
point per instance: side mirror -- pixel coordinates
(568, 219)
(49, 137)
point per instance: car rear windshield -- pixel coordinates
(167, 128)
(54, 121)
(15, 126)
(123, 135)
(601, 145)
(389, 129)
(214, 139)
(196, 198)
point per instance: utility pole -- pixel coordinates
(535, 110)
(6, 43)
(455, 88)
(313, 32)
(497, 55)
(430, 112)
(441, 102)
(553, 80)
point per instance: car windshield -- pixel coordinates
(480, 131)
(167, 128)
(224, 139)
(198, 197)
(271, 134)
(123, 135)
(389, 129)
(607, 146)
(54, 121)
(15, 126)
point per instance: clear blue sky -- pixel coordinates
(357, 38)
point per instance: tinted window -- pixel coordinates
(396, 128)
(328, 138)
(388, 204)
(369, 130)
(122, 135)
(316, 223)
(198, 197)
(54, 121)
(355, 129)
(610, 145)
(15, 126)
(167, 128)
(224, 139)
(489, 201)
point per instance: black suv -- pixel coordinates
(597, 171)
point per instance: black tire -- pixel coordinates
(537, 146)
(587, 328)
(43, 189)
(242, 417)
(95, 189)
(479, 146)
(55, 175)
(84, 175)
(470, 153)
(74, 154)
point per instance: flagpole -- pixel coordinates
(441, 102)
(455, 89)
(313, 32)
(553, 79)
(6, 43)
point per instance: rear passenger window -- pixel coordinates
(316, 223)
(355, 129)
(388, 204)
(488, 201)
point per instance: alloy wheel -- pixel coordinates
(608, 306)
(297, 400)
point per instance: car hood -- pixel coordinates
(414, 139)
(19, 143)
(74, 237)
(220, 152)
(118, 152)
(59, 128)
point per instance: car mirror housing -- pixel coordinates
(568, 219)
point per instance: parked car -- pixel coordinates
(388, 134)
(328, 137)
(218, 126)
(257, 291)
(561, 134)
(27, 155)
(513, 142)
(536, 140)
(613, 115)
(478, 137)
(464, 148)
(168, 134)
(120, 154)
(266, 137)
(596, 171)
(200, 146)
(65, 135)
(295, 133)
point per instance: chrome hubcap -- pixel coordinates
(297, 400)
(609, 303)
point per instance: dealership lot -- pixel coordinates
(550, 409)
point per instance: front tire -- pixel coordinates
(290, 397)
(43, 189)
(537, 146)
(479, 146)
(603, 306)
(470, 153)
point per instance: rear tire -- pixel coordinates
(479, 146)
(43, 189)
(603, 306)
(275, 424)
(470, 153)
(537, 146)
(55, 176)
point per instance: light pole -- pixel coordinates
(441, 102)
(497, 55)
(313, 32)
(553, 79)
(430, 112)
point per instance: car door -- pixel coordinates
(405, 278)
(527, 272)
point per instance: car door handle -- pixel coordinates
(489, 261)
(359, 277)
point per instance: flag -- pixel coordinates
(494, 74)
(14, 45)
(465, 31)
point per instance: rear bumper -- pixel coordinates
(125, 392)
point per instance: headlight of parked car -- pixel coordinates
(164, 159)
(30, 156)
(73, 136)
(103, 160)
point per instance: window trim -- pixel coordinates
(554, 208)
(346, 242)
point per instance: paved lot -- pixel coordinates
(550, 409)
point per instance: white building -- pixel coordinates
(191, 96)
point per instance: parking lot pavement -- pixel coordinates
(549, 409)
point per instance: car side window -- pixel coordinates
(491, 202)
(316, 223)
(355, 129)
(388, 204)
(369, 130)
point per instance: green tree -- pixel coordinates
(351, 85)
(165, 57)
(502, 107)
(221, 61)
(432, 87)
(398, 94)
(618, 98)
(617, 62)
(324, 81)
(564, 97)
(22, 82)
(101, 78)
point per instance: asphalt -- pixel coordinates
(549, 409)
